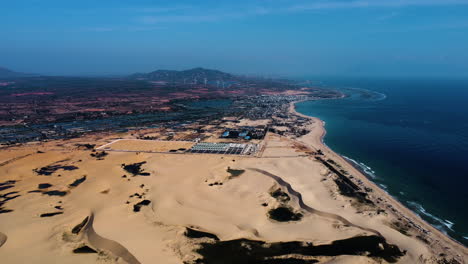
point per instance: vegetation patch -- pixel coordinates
(280, 196)
(137, 207)
(135, 169)
(50, 214)
(345, 185)
(84, 250)
(400, 227)
(423, 239)
(346, 190)
(55, 193)
(192, 233)
(234, 173)
(80, 226)
(291, 261)
(6, 197)
(241, 251)
(78, 181)
(44, 185)
(284, 214)
(49, 170)
(86, 146)
(7, 185)
(99, 155)
(448, 261)
(10, 182)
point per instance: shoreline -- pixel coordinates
(316, 141)
(158, 197)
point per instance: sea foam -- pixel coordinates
(368, 170)
(447, 223)
(376, 96)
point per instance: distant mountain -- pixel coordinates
(7, 73)
(189, 76)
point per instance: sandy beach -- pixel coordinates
(63, 201)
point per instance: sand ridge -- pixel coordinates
(135, 217)
(309, 209)
(102, 243)
(3, 239)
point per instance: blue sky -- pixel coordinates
(408, 38)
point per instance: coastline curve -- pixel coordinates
(442, 240)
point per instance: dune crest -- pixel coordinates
(102, 243)
(3, 239)
(309, 209)
(282, 206)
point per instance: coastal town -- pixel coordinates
(69, 107)
(244, 175)
(234, 132)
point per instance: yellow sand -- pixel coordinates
(146, 145)
(180, 188)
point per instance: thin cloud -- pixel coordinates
(191, 14)
(388, 16)
(178, 18)
(120, 29)
(212, 15)
(161, 9)
(318, 5)
(454, 25)
(99, 29)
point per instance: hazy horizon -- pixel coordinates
(381, 38)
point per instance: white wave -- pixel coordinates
(402, 193)
(383, 186)
(448, 224)
(465, 237)
(382, 97)
(368, 170)
(377, 95)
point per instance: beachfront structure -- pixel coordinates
(224, 148)
(247, 133)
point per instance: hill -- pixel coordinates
(189, 76)
(7, 73)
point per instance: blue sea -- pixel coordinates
(410, 137)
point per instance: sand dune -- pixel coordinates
(3, 239)
(143, 217)
(310, 209)
(102, 243)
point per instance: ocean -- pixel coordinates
(410, 137)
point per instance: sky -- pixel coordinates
(362, 38)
